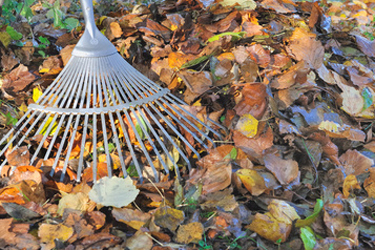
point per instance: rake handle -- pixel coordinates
(88, 14)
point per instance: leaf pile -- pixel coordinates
(293, 83)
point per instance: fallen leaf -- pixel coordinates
(306, 48)
(252, 100)
(190, 233)
(222, 199)
(247, 125)
(133, 218)
(139, 241)
(168, 217)
(18, 79)
(285, 171)
(78, 201)
(350, 183)
(252, 181)
(115, 192)
(355, 163)
(48, 233)
(275, 225)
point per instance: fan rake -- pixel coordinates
(96, 92)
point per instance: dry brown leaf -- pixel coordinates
(295, 74)
(366, 46)
(278, 6)
(133, 218)
(27, 173)
(259, 55)
(355, 163)
(253, 145)
(197, 83)
(139, 241)
(215, 177)
(252, 100)
(19, 157)
(66, 54)
(369, 184)
(306, 48)
(285, 171)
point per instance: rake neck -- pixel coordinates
(92, 43)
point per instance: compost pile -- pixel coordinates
(292, 83)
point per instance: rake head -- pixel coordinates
(99, 97)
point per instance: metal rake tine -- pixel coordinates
(53, 141)
(156, 136)
(54, 84)
(130, 146)
(170, 125)
(75, 128)
(183, 125)
(16, 133)
(165, 133)
(47, 132)
(143, 148)
(101, 87)
(172, 99)
(118, 146)
(83, 144)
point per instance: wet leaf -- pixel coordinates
(115, 192)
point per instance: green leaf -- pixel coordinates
(194, 62)
(310, 219)
(308, 238)
(15, 35)
(232, 154)
(10, 120)
(71, 23)
(235, 36)
(139, 127)
(44, 40)
(367, 98)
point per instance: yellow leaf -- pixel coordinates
(247, 125)
(350, 183)
(252, 181)
(49, 233)
(268, 227)
(276, 224)
(78, 201)
(369, 184)
(54, 127)
(5, 39)
(36, 93)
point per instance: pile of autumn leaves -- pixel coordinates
(295, 107)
